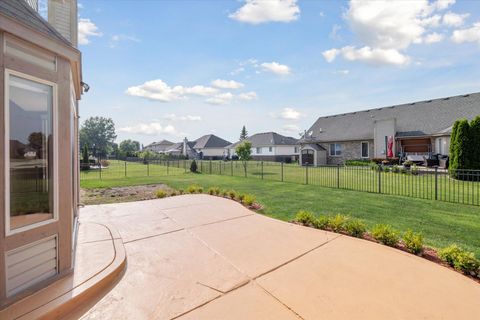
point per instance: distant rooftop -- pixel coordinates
(421, 118)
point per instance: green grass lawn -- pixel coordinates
(351, 178)
(441, 223)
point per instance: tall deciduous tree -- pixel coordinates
(461, 149)
(243, 134)
(129, 147)
(98, 133)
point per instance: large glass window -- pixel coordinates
(31, 143)
(364, 149)
(335, 149)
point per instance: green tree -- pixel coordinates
(85, 154)
(244, 153)
(98, 133)
(129, 147)
(243, 134)
(462, 148)
(475, 143)
(453, 148)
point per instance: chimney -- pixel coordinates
(185, 141)
(63, 15)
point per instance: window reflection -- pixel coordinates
(31, 152)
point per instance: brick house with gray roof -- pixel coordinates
(270, 146)
(420, 128)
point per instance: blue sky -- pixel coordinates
(168, 69)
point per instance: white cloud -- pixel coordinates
(117, 38)
(174, 117)
(287, 114)
(374, 56)
(260, 11)
(291, 128)
(159, 90)
(276, 68)
(334, 33)
(453, 19)
(471, 34)
(226, 84)
(152, 128)
(343, 72)
(443, 4)
(248, 96)
(433, 37)
(87, 29)
(237, 71)
(387, 28)
(221, 99)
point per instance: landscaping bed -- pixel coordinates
(121, 194)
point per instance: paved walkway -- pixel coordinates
(204, 257)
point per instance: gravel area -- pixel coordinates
(121, 194)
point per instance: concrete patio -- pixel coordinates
(204, 257)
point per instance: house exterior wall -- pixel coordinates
(286, 150)
(382, 129)
(441, 145)
(67, 184)
(62, 14)
(350, 150)
(212, 152)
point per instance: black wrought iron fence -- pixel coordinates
(458, 186)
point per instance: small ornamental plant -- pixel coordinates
(460, 259)
(355, 228)
(160, 194)
(321, 222)
(181, 191)
(305, 218)
(193, 166)
(224, 193)
(385, 234)
(211, 191)
(194, 189)
(241, 197)
(337, 222)
(413, 242)
(173, 193)
(249, 199)
(232, 194)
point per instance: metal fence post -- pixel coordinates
(306, 174)
(125, 168)
(100, 165)
(201, 166)
(338, 176)
(262, 169)
(220, 167)
(436, 183)
(185, 165)
(148, 169)
(379, 178)
(168, 164)
(282, 170)
(231, 167)
(210, 166)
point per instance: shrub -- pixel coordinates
(321, 222)
(395, 169)
(200, 189)
(414, 169)
(355, 227)
(211, 190)
(449, 254)
(173, 193)
(241, 197)
(216, 191)
(232, 194)
(193, 188)
(181, 191)
(358, 162)
(460, 259)
(193, 166)
(337, 223)
(385, 234)
(413, 242)
(306, 218)
(249, 199)
(160, 194)
(224, 193)
(104, 163)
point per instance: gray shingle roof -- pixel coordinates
(210, 141)
(22, 12)
(161, 143)
(412, 119)
(268, 139)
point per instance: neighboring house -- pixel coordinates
(159, 147)
(211, 147)
(208, 147)
(270, 146)
(419, 128)
(40, 70)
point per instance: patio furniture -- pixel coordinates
(431, 161)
